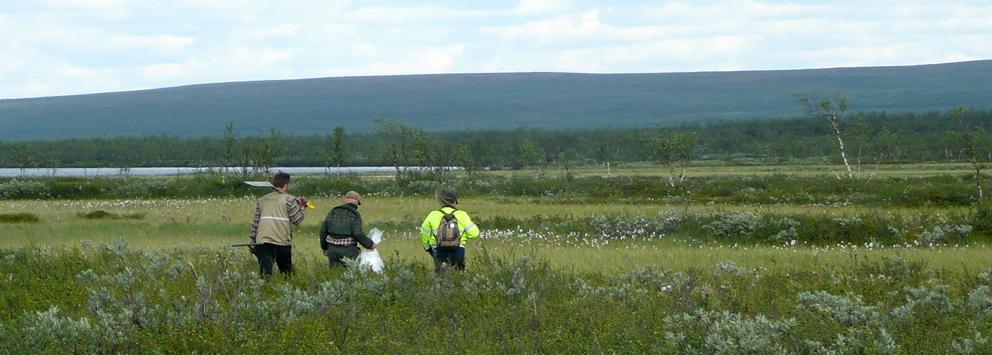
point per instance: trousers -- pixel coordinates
(453, 258)
(281, 254)
(337, 253)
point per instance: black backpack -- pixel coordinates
(449, 235)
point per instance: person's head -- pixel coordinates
(281, 181)
(353, 197)
(448, 198)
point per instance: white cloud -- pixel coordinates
(162, 43)
(579, 27)
(165, 71)
(286, 29)
(230, 64)
(418, 61)
(665, 55)
(116, 9)
(412, 14)
(540, 7)
(364, 49)
(64, 47)
(10, 62)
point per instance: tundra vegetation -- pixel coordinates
(675, 251)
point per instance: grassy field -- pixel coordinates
(547, 275)
(216, 223)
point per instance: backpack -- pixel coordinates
(449, 235)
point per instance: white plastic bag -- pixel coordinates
(371, 258)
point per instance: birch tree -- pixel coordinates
(21, 157)
(829, 110)
(395, 145)
(674, 150)
(230, 140)
(973, 143)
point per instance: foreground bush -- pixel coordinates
(113, 299)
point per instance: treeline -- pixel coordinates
(870, 138)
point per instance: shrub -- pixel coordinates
(738, 225)
(981, 218)
(980, 301)
(101, 214)
(726, 333)
(944, 234)
(23, 189)
(971, 345)
(11, 218)
(842, 309)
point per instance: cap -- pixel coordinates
(354, 196)
(448, 198)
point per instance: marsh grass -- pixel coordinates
(101, 214)
(12, 218)
(114, 298)
(546, 276)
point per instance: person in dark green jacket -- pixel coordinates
(341, 232)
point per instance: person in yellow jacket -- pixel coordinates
(445, 231)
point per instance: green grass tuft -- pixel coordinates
(101, 214)
(12, 218)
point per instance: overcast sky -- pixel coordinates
(59, 47)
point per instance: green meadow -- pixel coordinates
(851, 268)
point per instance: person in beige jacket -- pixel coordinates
(272, 228)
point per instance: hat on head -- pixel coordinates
(448, 198)
(353, 196)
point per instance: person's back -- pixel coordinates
(445, 233)
(272, 226)
(342, 231)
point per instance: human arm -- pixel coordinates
(294, 210)
(323, 234)
(254, 222)
(359, 234)
(427, 233)
(470, 230)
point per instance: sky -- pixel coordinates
(63, 47)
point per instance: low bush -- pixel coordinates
(112, 299)
(101, 214)
(982, 217)
(11, 218)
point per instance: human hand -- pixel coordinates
(303, 201)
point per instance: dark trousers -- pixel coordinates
(282, 254)
(336, 254)
(449, 258)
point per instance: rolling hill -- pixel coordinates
(446, 102)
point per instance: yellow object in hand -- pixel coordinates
(310, 205)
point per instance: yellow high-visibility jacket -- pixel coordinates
(428, 230)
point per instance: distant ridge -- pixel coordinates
(490, 101)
